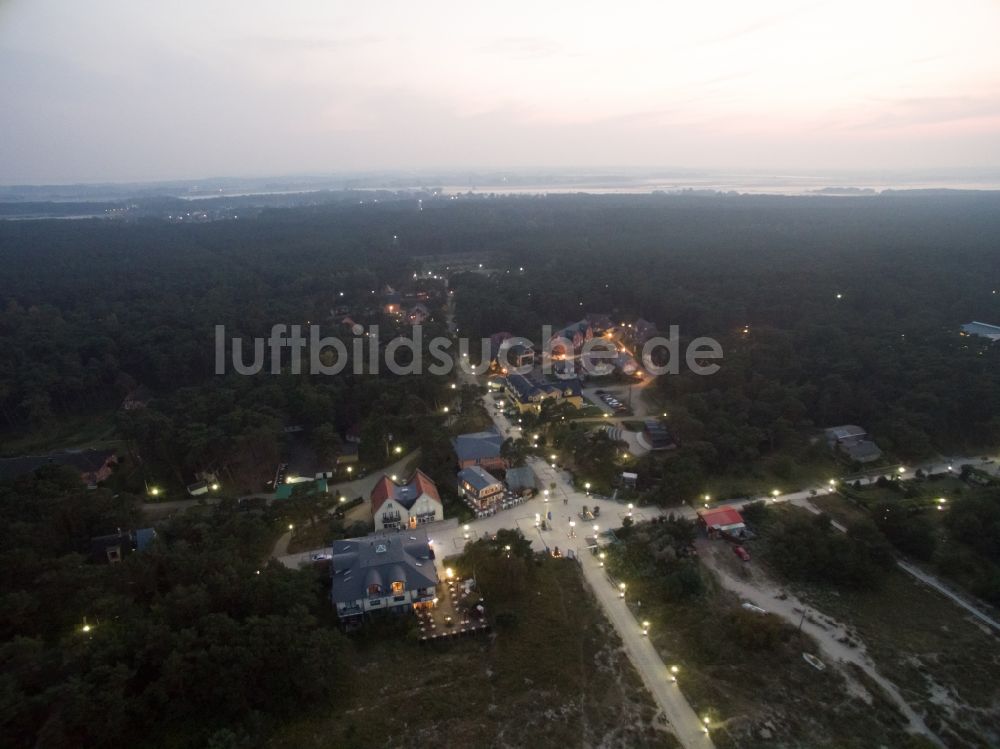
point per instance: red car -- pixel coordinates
(741, 553)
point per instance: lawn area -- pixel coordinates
(555, 677)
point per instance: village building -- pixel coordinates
(391, 572)
(396, 506)
(479, 449)
(479, 486)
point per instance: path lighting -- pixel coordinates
(445, 409)
(350, 469)
(291, 526)
(621, 590)
(343, 499)
(587, 487)
(645, 627)
(707, 497)
(398, 449)
(215, 486)
(601, 557)
(901, 470)
(154, 491)
(673, 673)
(454, 386)
(552, 456)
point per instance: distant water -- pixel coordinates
(747, 184)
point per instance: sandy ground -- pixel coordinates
(751, 584)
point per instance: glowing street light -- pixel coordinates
(601, 556)
(901, 470)
(291, 526)
(596, 528)
(445, 409)
(449, 572)
(621, 590)
(398, 449)
(645, 628)
(587, 487)
(154, 491)
(350, 469)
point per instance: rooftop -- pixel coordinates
(406, 494)
(477, 478)
(478, 445)
(359, 563)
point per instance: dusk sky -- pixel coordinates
(121, 90)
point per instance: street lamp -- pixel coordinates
(621, 590)
(398, 449)
(673, 673)
(445, 409)
(601, 556)
(901, 470)
(350, 469)
(630, 509)
(645, 628)
(587, 487)
(291, 526)
(774, 494)
(154, 491)
(596, 528)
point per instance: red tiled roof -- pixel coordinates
(720, 517)
(425, 485)
(386, 489)
(382, 491)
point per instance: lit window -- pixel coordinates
(397, 587)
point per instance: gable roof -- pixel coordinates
(406, 494)
(381, 560)
(477, 445)
(721, 517)
(477, 478)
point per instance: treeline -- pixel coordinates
(191, 642)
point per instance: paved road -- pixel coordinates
(665, 689)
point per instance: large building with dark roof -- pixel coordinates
(384, 572)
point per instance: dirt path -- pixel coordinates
(827, 632)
